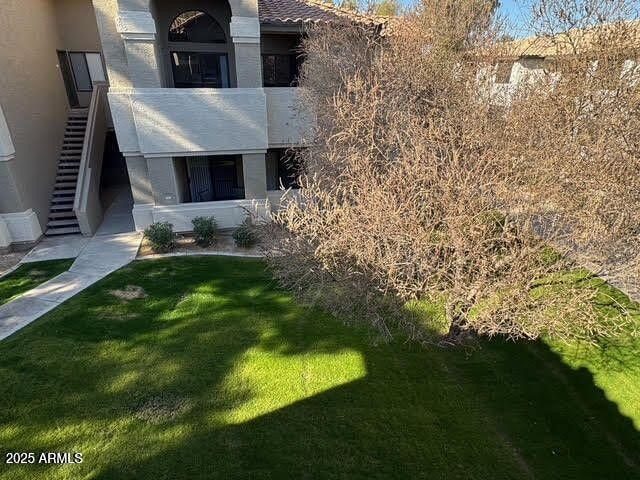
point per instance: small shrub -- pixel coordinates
(244, 236)
(204, 230)
(161, 236)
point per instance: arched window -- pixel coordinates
(199, 52)
(196, 27)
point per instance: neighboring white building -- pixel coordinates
(531, 59)
(200, 94)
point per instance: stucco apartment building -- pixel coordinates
(180, 107)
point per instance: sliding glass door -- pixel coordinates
(214, 178)
(200, 70)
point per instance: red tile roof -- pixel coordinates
(288, 12)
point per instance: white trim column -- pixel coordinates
(7, 150)
(20, 227)
(245, 33)
(5, 236)
(138, 30)
(254, 171)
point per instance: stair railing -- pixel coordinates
(87, 204)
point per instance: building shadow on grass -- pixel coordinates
(234, 380)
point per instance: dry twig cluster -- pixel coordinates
(420, 185)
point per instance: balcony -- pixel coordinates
(288, 124)
(169, 122)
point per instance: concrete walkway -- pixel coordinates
(100, 256)
(118, 217)
(57, 248)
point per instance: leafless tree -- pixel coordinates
(420, 185)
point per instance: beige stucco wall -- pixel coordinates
(32, 93)
(77, 25)
(34, 102)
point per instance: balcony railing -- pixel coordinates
(168, 122)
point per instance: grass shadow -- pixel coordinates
(218, 374)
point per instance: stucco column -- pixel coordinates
(245, 32)
(254, 169)
(138, 30)
(162, 175)
(5, 236)
(10, 200)
(139, 180)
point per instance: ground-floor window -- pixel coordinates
(211, 178)
(283, 169)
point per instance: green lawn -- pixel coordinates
(212, 372)
(28, 276)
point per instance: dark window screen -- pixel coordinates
(215, 178)
(197, 27)
(80, 72)
(200, 70)
(279, 70)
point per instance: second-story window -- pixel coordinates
(198, 51)
(200, 70)
(280, 70)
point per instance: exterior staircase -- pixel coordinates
(62, 218)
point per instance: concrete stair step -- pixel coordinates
(62, 192)
(65, 177)
(62, 207)
(62, 214)
(62, 219)
(68, 201)
(61, 231)
(63, 185)
(71, 222)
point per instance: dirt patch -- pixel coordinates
(10, 260)
(120, 317)
(131, 292)
(162, 408)
(37, 273)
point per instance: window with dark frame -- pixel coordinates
(283, 169)
(205, 64)
(214, 178)
(196, 27)
(200, 70)
(280, 70)
(80, 70)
